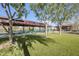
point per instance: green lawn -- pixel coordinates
(54, 45)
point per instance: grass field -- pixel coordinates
(54, 45)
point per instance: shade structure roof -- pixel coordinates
(5, 21)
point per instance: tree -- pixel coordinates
(42, 13)
(18, 13)
(55, 12)
(63, 12)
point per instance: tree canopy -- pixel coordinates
(55, 12)
(19, 8)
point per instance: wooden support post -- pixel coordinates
(29, 27)
(23, 29)
(33, 28)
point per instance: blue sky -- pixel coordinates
(31, 15)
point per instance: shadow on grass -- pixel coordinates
(27, 40)
(2, 40)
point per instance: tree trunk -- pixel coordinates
(25, 49)
(46, 30)
(4, 28)
(10, 32)
(60, 29)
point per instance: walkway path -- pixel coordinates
(4, 45)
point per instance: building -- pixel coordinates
(19, 25)
(68, 27)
